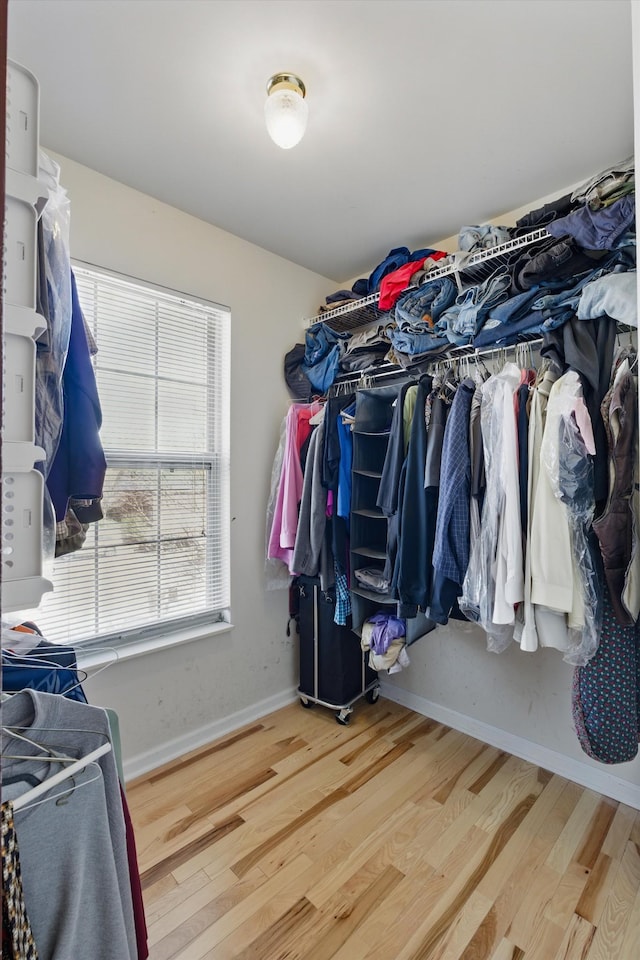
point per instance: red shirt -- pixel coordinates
(396, 282)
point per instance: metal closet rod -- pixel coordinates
(456, 353)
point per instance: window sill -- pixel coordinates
(140, 648)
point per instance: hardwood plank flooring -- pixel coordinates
(394, 838)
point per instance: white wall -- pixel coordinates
(171, 699)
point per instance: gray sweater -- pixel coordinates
(312, 553)
(73, 852)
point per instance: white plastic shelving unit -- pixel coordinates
(23, 583)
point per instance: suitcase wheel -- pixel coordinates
(344, 716)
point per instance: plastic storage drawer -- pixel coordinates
(23, 97)
(19, 389)
(20, 239)
(22, 540)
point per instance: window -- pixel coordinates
(160, 556)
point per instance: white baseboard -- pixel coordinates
(601, 780)
(151, 759)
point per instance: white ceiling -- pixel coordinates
(424, 116)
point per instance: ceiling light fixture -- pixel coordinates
(285, 110)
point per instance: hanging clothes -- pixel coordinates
(452, 534)
(344, 422)
(606, 693)
(412, 574)
(614, 527)
(484, 600)
(537, 625)
(587, 347)
(312, 554)
(476, 458)
(489, 507)
(388, 491)
(88, 898)
(18, 942)
(509, 578)
(556, 580)
(285, 510)
(54, 303)
(28, 660)
(79, 465)
(331, 451)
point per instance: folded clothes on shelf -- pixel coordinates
(507, 284)
(482, 237)
(599, 229)
(372, 579)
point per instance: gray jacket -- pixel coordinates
(312, 553)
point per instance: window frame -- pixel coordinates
(169, 632)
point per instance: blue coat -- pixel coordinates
(79, 466)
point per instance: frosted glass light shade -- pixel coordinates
(286, 113)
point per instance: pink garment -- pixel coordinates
(285, 516)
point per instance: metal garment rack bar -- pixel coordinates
(369, 379)
(470, 267)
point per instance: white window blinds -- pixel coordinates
(160, 556)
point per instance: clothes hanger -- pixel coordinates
(63, 795)
(531, 362)
(449, 383)
(26, 800)
(22, 660)
(20, 778)
(45, 754)
(46, 667)
(482, 371)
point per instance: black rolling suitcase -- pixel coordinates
(334, 671)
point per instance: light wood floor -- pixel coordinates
(393, 839)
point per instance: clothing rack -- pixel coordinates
(466, 267)
(390, 371)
